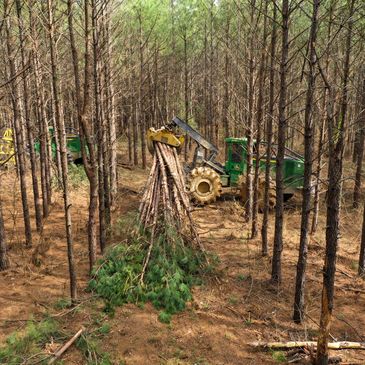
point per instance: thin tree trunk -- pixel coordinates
(111, 112)
(259, 123)
(308, 163)
(360, 150)
(322, 130)
(186, 90)
(90, 162)
(4, 262)
(17, 125)
(212, 120)
(43, 128)
(107, 144)
(270, 116)
(133, 119)
(141, 112)
(336, 137)
(33, 162)
(99, 117)
(318, 170)
(361, 269)
(226, 99)
(129, 136)
(249, 128)
(205, 85)
(63, 154)
(279, 209)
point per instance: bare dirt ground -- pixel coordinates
(228, 312)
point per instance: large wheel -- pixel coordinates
(261, 193)
(204, 185)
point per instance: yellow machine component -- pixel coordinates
(7, 151)
(165, 136)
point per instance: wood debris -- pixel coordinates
(340, 345)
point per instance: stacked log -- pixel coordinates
(165, 202)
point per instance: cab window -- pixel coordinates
(262, 149)
(237, 152)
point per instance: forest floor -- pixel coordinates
(228, 312)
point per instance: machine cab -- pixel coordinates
(236, 163)
(236, 158)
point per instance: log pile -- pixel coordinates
(165, 202)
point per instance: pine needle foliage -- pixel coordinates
(173, 269)
(90, 347)
(76, 175)
(29, 343)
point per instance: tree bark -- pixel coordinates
(226, 96)
(318, 169)
(336, 137)
(33, 161)
(270, 116)
(141, 111)
(360, 150)
(361, 268)
(38, 80)
(17, 125)
(186, 90)
(63, 154)
(99, 119)
(111, 110)
(249, 127)
(4, 262)
(259, 123)
(308, 163)
(279, 209)
(90, 161)
(322, 130)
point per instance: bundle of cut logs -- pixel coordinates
(165, 202)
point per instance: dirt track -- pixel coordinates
(237, 307)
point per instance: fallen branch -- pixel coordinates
(63, 349)
(294, 344)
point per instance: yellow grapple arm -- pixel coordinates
(7, 151)
(165, 136)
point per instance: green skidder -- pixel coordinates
(73, 143)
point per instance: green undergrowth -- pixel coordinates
(76, 177)
(173, 269)
(279, 356)
(89, 345)
(29, 343)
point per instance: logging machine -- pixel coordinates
(7, 152)
(206, 178)
(73, 145)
